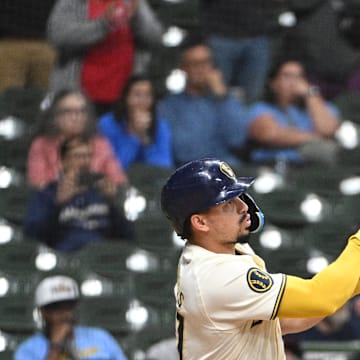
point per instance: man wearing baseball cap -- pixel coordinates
(60, 338)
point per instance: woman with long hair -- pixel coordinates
(294, 123)
(70, 114)
(134, 130)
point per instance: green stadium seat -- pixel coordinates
(149, 232)
(322, 180)
(349, 105)
(14, 202)
(17, 313)
(111, 258)
(15, 258)
(282, 207)
(156, 289)
(119, 315)
(23, 103)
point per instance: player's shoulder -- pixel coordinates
(207, 263)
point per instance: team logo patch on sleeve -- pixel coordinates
(259, 281)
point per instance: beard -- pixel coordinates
(243, 238)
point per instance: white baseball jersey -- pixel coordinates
(227, 306)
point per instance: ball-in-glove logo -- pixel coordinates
(259, 281)
(227, 170)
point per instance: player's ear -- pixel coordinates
(198, 222)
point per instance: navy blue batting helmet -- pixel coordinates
(201, 184)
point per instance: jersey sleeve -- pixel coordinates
(239, 289)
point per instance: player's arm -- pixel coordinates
(295, 325)
(327, 291)
(291, 326)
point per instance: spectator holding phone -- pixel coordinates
(69, 114)
(80, 207)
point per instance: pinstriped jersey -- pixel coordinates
(227, 306)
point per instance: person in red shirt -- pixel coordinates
(95, 45)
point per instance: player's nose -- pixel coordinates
(241, 206)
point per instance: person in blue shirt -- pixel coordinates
(135, 131)
(293, 123)
(56, 298)
(80, 207)
(206, 121)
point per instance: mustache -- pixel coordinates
(243, 218)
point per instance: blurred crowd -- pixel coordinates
(260, 87)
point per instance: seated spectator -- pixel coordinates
(293, 123)
(70, 114)
(26, 57)
(80, 207)
(205, 120)
(134, 130)
(56, 298)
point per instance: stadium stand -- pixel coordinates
(128, 288)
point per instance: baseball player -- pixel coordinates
(229, 306)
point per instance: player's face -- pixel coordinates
(228, 221)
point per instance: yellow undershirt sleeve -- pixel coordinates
(327, 291)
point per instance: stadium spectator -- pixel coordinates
(69, 114)
(134, 130)
(293, 123)
(80, 207)
(56, 298)
(332, 63)
(205, 120)
(26, 57)
(238, 34)
(96, 46)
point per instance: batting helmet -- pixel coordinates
(201, 184)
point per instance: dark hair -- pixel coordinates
(269, 95)
(47, 117)
(71, 143)
(121, 111)
(193, 40)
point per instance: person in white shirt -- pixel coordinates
(228, 305)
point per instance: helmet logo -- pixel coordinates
(227, 170)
